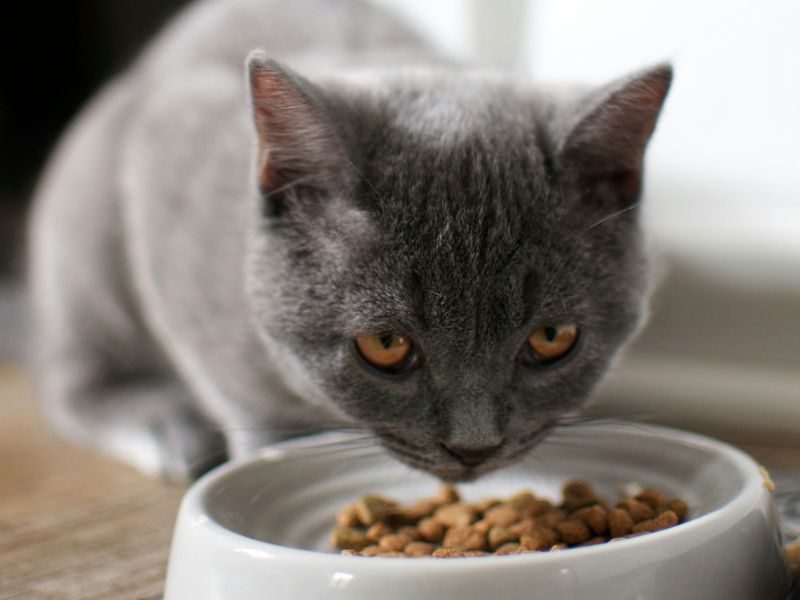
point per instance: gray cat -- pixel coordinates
(226, 252)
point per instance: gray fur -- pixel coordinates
(185, 313)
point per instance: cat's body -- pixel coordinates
(183, 312)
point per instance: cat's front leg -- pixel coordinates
(150, 425)
(146, 421)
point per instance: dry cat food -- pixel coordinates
(445, 526)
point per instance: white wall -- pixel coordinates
(724, 178)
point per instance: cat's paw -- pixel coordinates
(188, 448)
(172, 447)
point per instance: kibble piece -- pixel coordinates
(371, 550)
(475, 553)
(521, 500)
(348, 517)
(351, 553)
(572, 504)
(594, 516)
(578, 494)
(663, 521)
(679, 507)
(485, 505)
(464, 537)
(500, 535)
(420, 510)
(538, 507)
(501, 515)
(573, 532)
(455, 514)
(557, 547)
(639, 511)
(430, 530)
(552, 518)
(540, 538)
(411, 515)
(510, 548)
(620, 523)
(647, 526)
(447, 494)
(350, 538)
(447, 553)
(419, 549)
(523, 526)
(394, 542)
(577, 488)
(594, 541)
(653, 498)
(411, 532)
(372, 508)
(377, 531)
(482, 526)
(391, 554)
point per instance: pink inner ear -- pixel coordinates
(282, 117)
(613, 138)
(648, 98)
(270, 99)
(295, 138)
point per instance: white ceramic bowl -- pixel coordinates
(259, 529)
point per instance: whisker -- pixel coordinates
(600, 426)
(611, 216)
(288, 186)
(541, 462)
(364, 177)
(335, 445)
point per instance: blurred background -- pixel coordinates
(721, 352)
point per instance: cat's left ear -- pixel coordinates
(603, 151)
(297, 144)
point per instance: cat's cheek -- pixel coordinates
(370, 397)
(544, 395)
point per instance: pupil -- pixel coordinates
(387, 340)
(550, 333)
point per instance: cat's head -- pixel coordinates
(451, 260)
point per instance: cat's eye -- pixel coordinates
(390, 353)
(550, 343)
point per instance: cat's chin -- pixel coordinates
(451, 473)
(463, 474)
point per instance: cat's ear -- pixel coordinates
(297, 144)
(603, 150)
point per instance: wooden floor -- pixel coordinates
(77, 526)
(74, 525)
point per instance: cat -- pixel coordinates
(225, 252)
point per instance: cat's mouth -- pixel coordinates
(446, 467)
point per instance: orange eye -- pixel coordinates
(386, 352)
(551, 343)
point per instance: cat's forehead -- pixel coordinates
(460, 176)
(453, 109)
(456, 224)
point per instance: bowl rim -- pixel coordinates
(193, 507)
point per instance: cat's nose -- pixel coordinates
(472, 455)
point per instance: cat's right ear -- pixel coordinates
(297, 145)
(603, 150)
